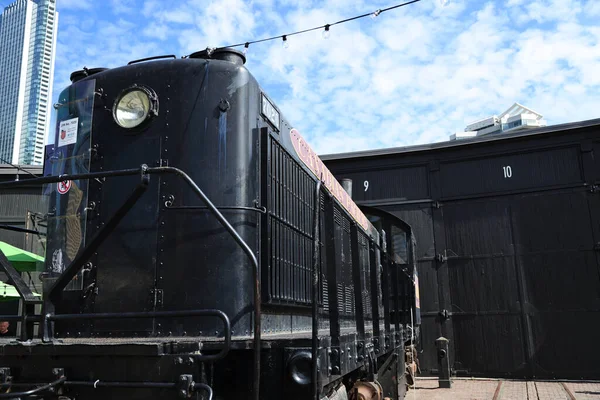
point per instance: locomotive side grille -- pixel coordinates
(345, 284)
(365, 278)
(337, 216)
(324, 295)
(346, 225)
(325, 292)
(349, 304)
(290, 215)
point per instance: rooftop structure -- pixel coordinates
(516, 118)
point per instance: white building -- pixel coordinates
(27, 46)
(517, 117)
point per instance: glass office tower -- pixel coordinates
(27, 46)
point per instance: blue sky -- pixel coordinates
(413, 75)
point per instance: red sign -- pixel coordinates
(63, 187)
(314, 163)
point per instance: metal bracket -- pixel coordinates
(334, 360)
(441, 258)
(58, 374)
(397, 337)
(371, 361)
(156, 297)
(224, 105)
(376, 345)
(100, 92)
(444, 314)
(185, 386)
(594, 188)
(169, 200)
(360, 351)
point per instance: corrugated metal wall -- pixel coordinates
(508, 240)
(16, 205)
(16, 208)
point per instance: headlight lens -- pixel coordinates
(134, 106)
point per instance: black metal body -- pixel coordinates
(183, 255)
(507, 231)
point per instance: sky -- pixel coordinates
(410, 76)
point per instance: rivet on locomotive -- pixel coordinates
(198, 248)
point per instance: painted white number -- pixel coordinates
(507, 171)
(366, 185)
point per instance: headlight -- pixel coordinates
(134, 106)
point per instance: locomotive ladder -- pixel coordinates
(55, 291)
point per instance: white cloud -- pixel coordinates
(157, 31)
(123, 6)
(414, 75)
(74, 5)
(592, 8)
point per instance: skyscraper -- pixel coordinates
(27, 47)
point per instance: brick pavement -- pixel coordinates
(478, 389)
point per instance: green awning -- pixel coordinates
(20, 259)
(9, 292)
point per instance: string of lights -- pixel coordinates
(325, 28)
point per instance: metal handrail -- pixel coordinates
(144, 169)
(315, 289)
(240, 241)
(193, 387)
(36, 390)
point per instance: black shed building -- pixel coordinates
(508, 243)
(19, 206)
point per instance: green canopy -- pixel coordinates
(9, 292)
(20, 259)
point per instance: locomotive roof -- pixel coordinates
(464, 142)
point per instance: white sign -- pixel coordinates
(67, 132)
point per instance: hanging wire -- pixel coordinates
(18, 168)
(327, 26)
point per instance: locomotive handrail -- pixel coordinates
(152, 58)
(315, 288)
(144, 170)
(65, 177)
(182, 384)
(73, 269)
(36, 390)
(240, 241)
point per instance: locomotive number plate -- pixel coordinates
(270, 112)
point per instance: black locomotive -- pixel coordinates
(197, 247)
